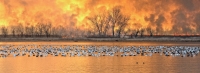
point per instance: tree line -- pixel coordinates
(117, 23)
(28, 30)
(112, 23)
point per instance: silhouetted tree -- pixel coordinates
(20, 30)
(115, 16)
(127, 32)
(13, 33)
(53, 31)
(27, 32)
(122, 23)
(114, 19)
(150, 31)
(96, 22)
(60, 30)
(32, 29)
(101, 23)
(47, 29)
(13, 30)
(136, 33)
(39, 29)
(4, 31)
(141, 32)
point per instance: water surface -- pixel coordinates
(103, 64)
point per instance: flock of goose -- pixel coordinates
(96, 51)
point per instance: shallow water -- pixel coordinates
(103, 64)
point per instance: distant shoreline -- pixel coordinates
(145, 39)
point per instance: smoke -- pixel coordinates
(187, 4)
(175, 16)
(180, 21)
(157, 23)
(197, 21)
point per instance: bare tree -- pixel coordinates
(29, 30)
(136, 32)
(13, 33)
(47, 29)
(53, 31)
(39, 29)
(20, 30)
(95, 21)
(101, 23)
(122, 24)
(150, 31)
(114, 19)
(4, 31)
(60, 30)
(141, 32)
(115, 16)
(13, 30)
(104, 24)
(26, 30)
(127, 32)
(32, 29)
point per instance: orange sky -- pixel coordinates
(166, 15)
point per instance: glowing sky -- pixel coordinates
(182, 16)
